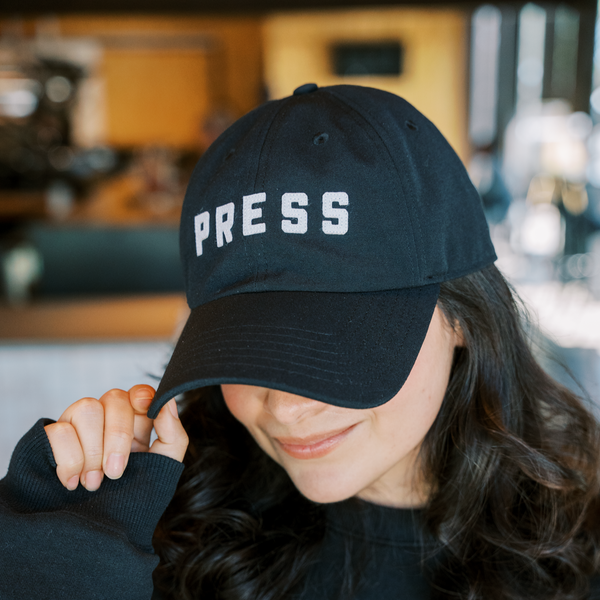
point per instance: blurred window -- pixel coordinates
(564, 53)
(530, 66)
(485, 55)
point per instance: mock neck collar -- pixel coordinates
(373, 522)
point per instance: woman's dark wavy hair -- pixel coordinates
(512, 460)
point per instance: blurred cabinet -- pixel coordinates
(156, 96)
(164, 74)
(300, 47)
(155, 78)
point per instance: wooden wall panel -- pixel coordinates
(236, 46)
(155, 97)
(297, 46)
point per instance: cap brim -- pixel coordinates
(353, 350)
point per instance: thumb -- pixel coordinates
(140, 397)
(172, 440)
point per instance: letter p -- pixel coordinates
(201, 229)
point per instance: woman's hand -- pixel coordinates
(94, 438)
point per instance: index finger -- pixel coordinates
(141, 397)
(118, 432)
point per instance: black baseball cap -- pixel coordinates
(314, 235)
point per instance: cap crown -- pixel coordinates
(342, 189)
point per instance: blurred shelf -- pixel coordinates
(158, 317)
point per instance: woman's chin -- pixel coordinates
(326, 497)
(324, 492)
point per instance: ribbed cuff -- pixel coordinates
(134, 503)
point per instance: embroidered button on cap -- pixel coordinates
(307, 88)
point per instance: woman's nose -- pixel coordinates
(288, 408)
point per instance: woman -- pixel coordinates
(364, 416)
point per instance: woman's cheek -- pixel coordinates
(239, 402)
(246, 406)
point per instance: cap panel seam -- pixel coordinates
(353, 113)
(355, 106)
(410, 206)
(264, 151)
(232, 146)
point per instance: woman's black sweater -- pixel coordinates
(80, 545)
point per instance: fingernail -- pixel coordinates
(73, 482)
(173, 408)
(93, 479)
(115, 465)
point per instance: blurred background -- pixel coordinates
(104, 113)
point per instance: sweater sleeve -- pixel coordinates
(79, 545)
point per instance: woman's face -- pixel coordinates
(334, 453)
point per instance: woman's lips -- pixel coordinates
(313, 446)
